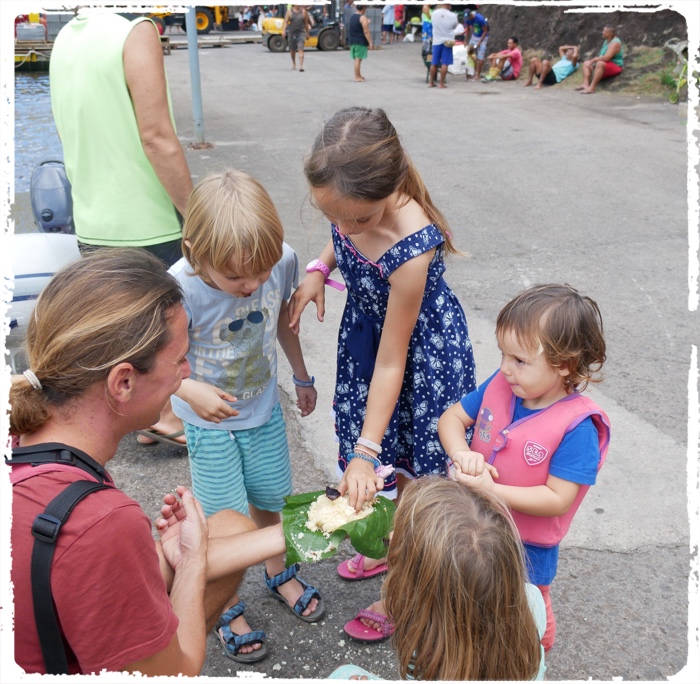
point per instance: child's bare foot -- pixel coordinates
(527, 83)
(376, 607)
(240, 626)
(292, 591)
(538, 87)
(369, 564)
(581, 87)
(442, 85)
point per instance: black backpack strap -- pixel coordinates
(45, 530)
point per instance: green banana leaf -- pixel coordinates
(369, 536)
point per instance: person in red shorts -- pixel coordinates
(607, 64)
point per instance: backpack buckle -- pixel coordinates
(46, 528)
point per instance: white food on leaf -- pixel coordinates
(328, 516)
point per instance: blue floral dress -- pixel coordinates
(439, 367)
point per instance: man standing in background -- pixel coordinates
(444, 24)
(129, 177)
(478, 27)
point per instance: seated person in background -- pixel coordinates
(505, 64)
(608, 63)
(457, 585)
(551, 74)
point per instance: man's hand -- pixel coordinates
(182, 527)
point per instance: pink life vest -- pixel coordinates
(522, 450)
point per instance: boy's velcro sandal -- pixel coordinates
(232, 642)
(303, 601)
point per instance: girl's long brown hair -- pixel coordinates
(358, 152)
(456, 587)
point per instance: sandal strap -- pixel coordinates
(231, 614)
(283, 577)
(239, 640)
(383, 620)
(304, 600)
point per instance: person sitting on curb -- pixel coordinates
(505, 64)
(607, 64)
(550, 74)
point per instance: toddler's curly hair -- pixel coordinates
(561, 323)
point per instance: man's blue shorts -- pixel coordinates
(442, 56)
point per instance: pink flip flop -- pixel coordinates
(360, 574)
(357, 630)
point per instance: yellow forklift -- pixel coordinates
(324, 34)
(206, 16)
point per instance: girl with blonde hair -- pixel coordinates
(237, 275)
(457, 590)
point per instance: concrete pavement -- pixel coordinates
(538, 187)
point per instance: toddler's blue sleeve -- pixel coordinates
(471, 403)
(576, 459)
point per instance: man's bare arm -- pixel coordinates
(145, 77)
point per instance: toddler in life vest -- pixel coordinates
(538, 443)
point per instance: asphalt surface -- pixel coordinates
(538, 187)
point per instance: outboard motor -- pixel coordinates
(50, 193)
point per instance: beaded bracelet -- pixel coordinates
(376, 463)
(303, 383)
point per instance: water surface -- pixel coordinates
(36, 139)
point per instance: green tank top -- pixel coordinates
(118, 200)
(617, 59)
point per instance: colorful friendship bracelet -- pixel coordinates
(356, 454)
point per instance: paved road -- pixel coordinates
(538, 187)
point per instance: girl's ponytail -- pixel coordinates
(413, 187)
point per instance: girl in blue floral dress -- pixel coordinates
(404, 353)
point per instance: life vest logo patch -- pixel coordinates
(534, 453)
(484, 425)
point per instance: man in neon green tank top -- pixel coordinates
(111, 105)
(129, 176)
(608, 62)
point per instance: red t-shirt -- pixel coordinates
(110, 597)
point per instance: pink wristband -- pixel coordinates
(318, 265)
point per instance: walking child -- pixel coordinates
(538, 441)
(359, 39)
(404, 353)
(237, 275)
